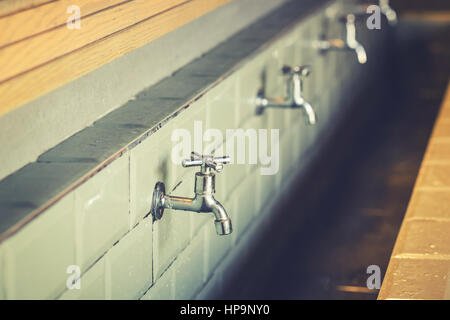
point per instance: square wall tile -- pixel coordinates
(278, 119)
(212, 289)
(243, 148)
(296, 140)
(294, 117)
(274, 82)
(231, 264)
(308, 55)
(129, 263)
(233, 173)
(163, 289)
(267, 190)
(285, 149)
(305, 43)
(150, 162)
(334, 59)
(319, 80)
(246, 201)
(285, 159)
(334, 93)
(92, 285)
(102, 211)
(189, 129)
(36, 258)
(267, 145)
(273, 62)
(249, 82)
(326, 108)
(300, 43)
(288, 44)
(189, 269)
(222, 105)
(171, 235)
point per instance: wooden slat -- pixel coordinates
(49, 76)
(11, 6)
(25, 55)
(27, 23)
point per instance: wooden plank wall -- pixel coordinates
(39, 53)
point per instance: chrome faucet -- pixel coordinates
(350, 42)
(294, 97)
(390, 13)
(203, 200)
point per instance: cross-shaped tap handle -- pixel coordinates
(207, 161)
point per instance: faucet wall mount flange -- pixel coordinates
(157, 201)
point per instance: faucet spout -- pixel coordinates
(352, 43)
(300, 102)
(310, 114)
(222, 222)
(361, 54)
